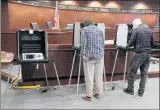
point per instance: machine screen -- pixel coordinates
(29, 56)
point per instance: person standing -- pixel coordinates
(92, 53)
(142, 40)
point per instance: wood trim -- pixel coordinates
(84, 8)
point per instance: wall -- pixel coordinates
(5, 16)
(19, 16)
(110, 19)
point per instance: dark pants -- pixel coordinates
(141, 61)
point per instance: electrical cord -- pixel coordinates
(14, 84)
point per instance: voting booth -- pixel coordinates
(32, 49)
(77, 35)
(77, 27)
(122, 38)
(32, 46)
(123, 35)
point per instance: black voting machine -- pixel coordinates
(32, 46)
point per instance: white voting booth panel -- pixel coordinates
(102, 26)
(77, 33)
(122, 35)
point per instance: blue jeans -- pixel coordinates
(141, 61)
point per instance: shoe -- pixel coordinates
(128, 91)
(97, 96)
(87, 98)
(140, 94)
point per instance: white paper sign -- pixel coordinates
(30, 31)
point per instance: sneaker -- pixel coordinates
(128, 91)
(140, 94)
(97, 96)
(87, 98)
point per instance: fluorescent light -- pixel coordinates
(19, 1)
(140, 5)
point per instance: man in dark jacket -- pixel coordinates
(142, 40)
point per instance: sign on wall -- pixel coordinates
(83, 8)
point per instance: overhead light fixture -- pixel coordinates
(95, 4)
(19, 1)
(140, 5)
(112, 4)
(68, 2)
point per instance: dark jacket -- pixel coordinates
(141, 39)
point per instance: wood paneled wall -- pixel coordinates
(19, 16)
(5, 16)
(110, 19)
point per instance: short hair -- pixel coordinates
(136, 22)
(88, 21)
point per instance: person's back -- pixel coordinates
(143, 39)
(94, 42)
(92, 53)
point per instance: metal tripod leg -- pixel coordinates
(105, 81)
(114, 67)
(46, 76)
(79, 72)
(75, 52)
(125, 66)
(19, 70)
(56, 74)
(7, 86)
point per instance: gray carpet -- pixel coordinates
(65, 98)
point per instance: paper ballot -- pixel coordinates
(122, 34)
